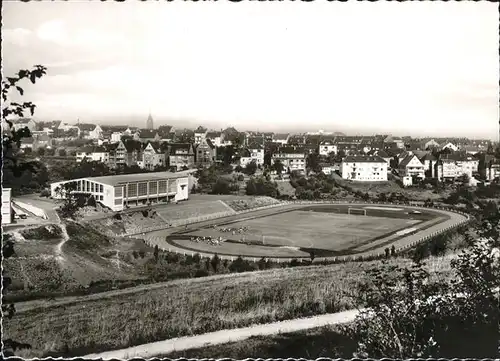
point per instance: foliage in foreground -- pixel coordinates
(13, 169)
(411, 317)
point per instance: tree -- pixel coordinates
(409, 315)
(240, 265)
(41, 152)
(215, 262)
(14, 167)
(221, 186)
(62, 152)
(278, 166)
(260, 186)
(312, 162)
(340, 155)
(393, 250)
(262, 264)
(156, 253)
(70, 202)
(312, 255)
(251, 168)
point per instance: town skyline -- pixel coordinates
(293, 73)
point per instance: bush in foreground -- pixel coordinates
(411, 317)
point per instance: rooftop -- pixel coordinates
(363, 159)
(114, 180)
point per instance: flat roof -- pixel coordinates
(114, 180)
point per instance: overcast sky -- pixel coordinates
(406, 68)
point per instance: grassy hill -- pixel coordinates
(193, 306)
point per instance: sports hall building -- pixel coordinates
(119, 191)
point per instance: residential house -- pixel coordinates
(181, 155)
(297, 140)
(472, 149)
(348, 144)
(93, 154)
(268, 136)
(411, 166)
(281, 138)
(43, 141)
(384, 155)
(116, 137)
(85, 129)
(364, 168)
(326, 147)
(451, 166)
(206, 153)
(493, 172)
(401, 155)
(254, 153)
(152, 157)
(134, 152)
(27, 143)
(327, 168)
(24, 123)
(166, 133)
(429, 162)
(199, 134)
(148, 135)
(396, 142)
(232, 137)
(216, 138)
(450, 146)
(292, 158)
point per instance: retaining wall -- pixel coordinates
(32, 209)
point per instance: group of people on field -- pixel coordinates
(209, 240)
(233, 231)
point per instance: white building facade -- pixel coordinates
(292, 160)
(120, 191)
(6, 205)
(325, 148)
(364, 168)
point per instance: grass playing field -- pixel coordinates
(289, 233)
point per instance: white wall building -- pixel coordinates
(254, 154)
(120, 191)
(411, 166)
(326, 148)
(6, 205)
(364, 168)
(97, 154)
(116, 137)
(450, 146)
(291, 158)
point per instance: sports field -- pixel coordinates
(292, 233)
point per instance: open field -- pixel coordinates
(193, 306)
(305, 229)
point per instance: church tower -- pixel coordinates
(149, 122)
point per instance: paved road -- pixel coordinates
(165, 347)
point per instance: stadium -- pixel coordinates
(299, 230)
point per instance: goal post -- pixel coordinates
(356, 211)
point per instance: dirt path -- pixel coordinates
(165, 347)
(65, 238)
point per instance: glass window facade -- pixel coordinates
(153, 187)
(142, 189)
(132, 190)
(162, 186)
